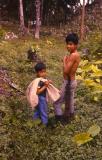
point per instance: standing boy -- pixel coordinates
(42, 108)
(70, 65)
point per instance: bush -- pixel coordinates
(92, 46)
(2, 32)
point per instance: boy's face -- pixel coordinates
(42, 73)
(71, 47)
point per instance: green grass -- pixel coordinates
(21, 137)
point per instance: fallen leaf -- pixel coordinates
(49, 42)
(98, 80)
(96, 99)
(82, 138)
(94, 130)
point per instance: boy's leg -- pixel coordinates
(69, 99)
(36, 113)
(43, 108)
(60, 101)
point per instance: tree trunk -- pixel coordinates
(38, 20)
(88, 2)
(82, 30)
(21, 14)
(42, 2)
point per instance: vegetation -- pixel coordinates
(25, 139)
(21, 138)
(33, 15)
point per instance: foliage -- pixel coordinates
(2, 32)
(24, 139)
(89, 71)
(83, 138)
(92, 46)
(90, 74)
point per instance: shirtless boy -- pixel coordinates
(70, 65)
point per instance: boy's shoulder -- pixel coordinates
(75, 54)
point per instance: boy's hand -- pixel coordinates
(47, 83)
(65, 59)
(50, 81)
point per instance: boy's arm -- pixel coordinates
(40, 90)
(68, 63)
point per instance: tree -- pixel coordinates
(82, 30)
(38, 19)
(21, 15)
(98, 2)
(42, 4)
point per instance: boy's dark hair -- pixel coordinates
(39, 66)
(72, 37)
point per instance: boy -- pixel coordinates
(42, 108)
(70, 65)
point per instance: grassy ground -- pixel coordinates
(21, 137)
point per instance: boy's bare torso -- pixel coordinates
(71, 64)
